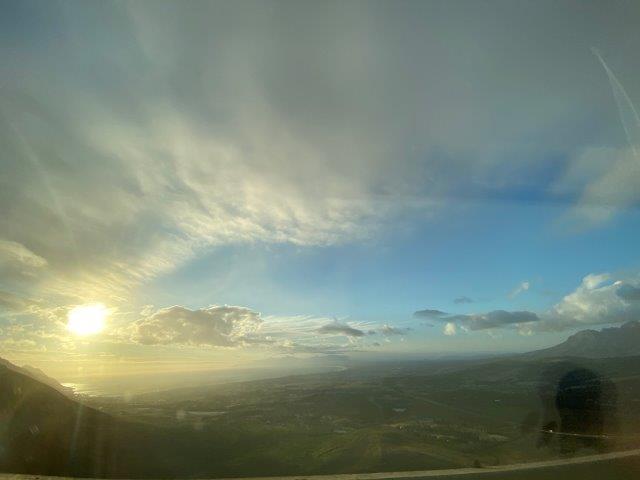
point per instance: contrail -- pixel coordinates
(626, 109)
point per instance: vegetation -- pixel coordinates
(388, 418)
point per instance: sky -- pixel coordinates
(227, 184)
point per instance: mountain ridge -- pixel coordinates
(38, 375)
(622, 341)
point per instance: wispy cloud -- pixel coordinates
(14, 252)
(389, 330)
(608, 176)
(429, 313)
(337, 328)
(522, 287)
(462, 299)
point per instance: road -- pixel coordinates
(606, 465)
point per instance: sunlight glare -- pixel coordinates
(87, 319)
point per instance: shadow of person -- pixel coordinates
(580, 412)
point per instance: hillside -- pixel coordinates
(44, 431)
(620, 341)
(38, 375)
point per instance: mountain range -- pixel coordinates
(623, 341)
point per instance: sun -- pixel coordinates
(86, 320)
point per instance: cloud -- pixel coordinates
(185, 168)
(14, 303)
(494, 319)
(308, 334)
(14, 252)
(600, 299)
(294, 347)
(628, 293)
(388, 330)
(462, 299)
(215, 326)
(39, 315)
(278, 138)
(429, 313)
(178, 326)
(450, 329)
(340, 329)
(24, 344)
(522, 287)
(607, 177)
(19, 266)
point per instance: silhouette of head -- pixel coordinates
(582, 411)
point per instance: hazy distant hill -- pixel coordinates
(38, 375)
(621, 341)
